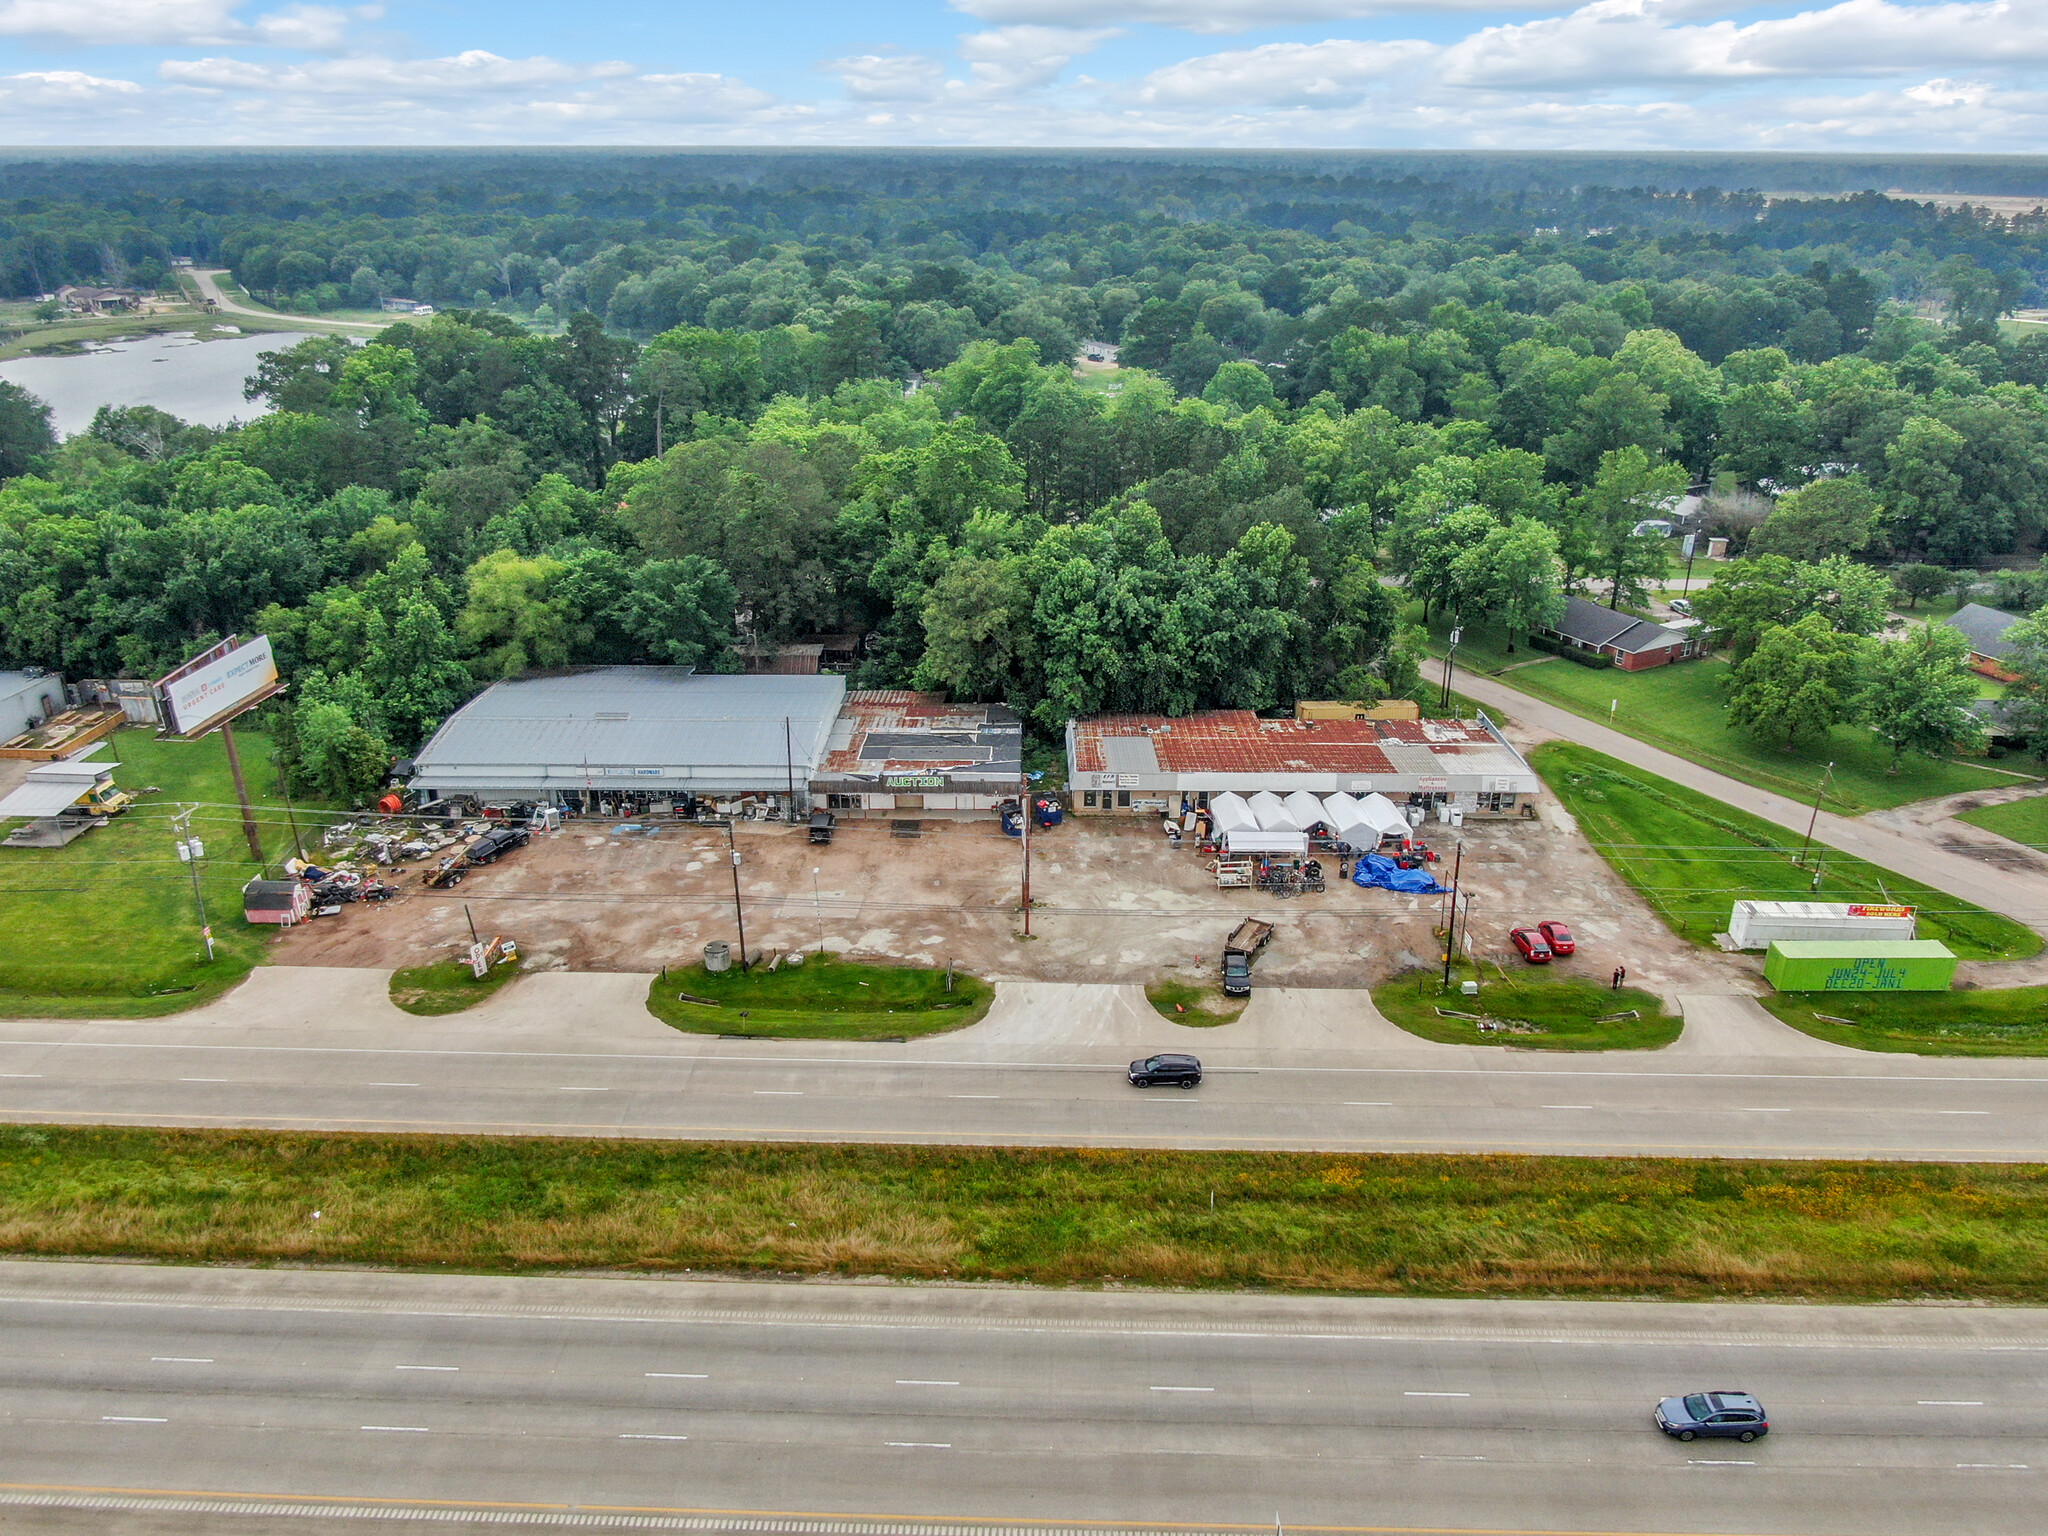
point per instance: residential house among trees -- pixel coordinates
(1985, 629)
(1635, 644)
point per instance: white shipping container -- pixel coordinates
(1759, 924)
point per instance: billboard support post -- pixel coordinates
(227, 740)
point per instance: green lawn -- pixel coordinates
(2006, 1021)
(1536, 1010)
(1692, 858)
(109, 927)
(2024, 821)
(825, 998)
(447, 986)
(1313, 1222)
(1200, 1005)
(1680, 708)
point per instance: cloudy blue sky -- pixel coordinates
(1679, 74)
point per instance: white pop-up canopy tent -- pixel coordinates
(1272, 812)
(1306, 810)
(1228, 810)
(1348, 820)
(1384, 816)
(1251, 840)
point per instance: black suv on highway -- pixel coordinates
(1183, 1071)
(496, 843)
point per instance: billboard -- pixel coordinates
(218, 684)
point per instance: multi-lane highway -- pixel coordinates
(297, 1397)
(579, 1055)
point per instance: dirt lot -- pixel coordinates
(1111, 902)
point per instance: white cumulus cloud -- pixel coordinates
(1282, 74)
(177, 23)
(1213, 15)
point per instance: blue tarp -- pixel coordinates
(1376, 869)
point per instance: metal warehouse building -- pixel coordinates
(1150, 764)
(586, 736)
(894, 752)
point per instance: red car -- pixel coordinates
(1531, 944)
(1558, 937)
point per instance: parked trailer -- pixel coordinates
(1243, 945)
(1899, 965)
(1755, 924)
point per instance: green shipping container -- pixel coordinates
(1875, 965)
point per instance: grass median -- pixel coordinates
(1389, 1225)
(447, 986)
(1197, 1004)
(1533, 1012)
(1692, 858)
(2004, 1021)
(823, 998)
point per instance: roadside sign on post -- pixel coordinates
(1687, 547)
(1455, 634)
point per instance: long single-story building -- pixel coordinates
(604, 739)
(1985, 629)
(1153, 765)
(898, 753)
(1635, 644)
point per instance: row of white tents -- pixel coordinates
(1267, 823)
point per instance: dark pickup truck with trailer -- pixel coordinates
(1243, 945)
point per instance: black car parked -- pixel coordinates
(496, 843)
(1713, 1415)
(1182, 1071)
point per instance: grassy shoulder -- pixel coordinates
(447, 986)
(824, 998)
(1311, 1222)
(1692, 858)
(1200, 1005)
(1681, 708)
(109, 927)
(1538, 1012)
(2004, 1021)
(2024, 821)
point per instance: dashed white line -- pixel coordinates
(1183, 1389)
(426, 1367)
(974, 1095)
(915, 1383)
(397, 1429)
(202, 1079)
(1720, 1463)
(20, 1074)
(1368, 1103)
(392, 1085)
(677, 1376)
(779, 1093)
(654, 1437)
(1567, 1106)
(181, 1359)
(1991, 1466)
(921, 1445)
(1764, 1109)
(1436, 1394)
(1950, 1402)
(583, 1090)
(1427, 1457)
(1962, 1111)
(124, 1418)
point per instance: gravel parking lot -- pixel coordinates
(1112, 901)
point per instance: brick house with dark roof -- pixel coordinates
(1985, 629)
(1635, 644)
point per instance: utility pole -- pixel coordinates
(1024, 803)
(738, 915)
(227, 739)
(819, 901)
(789, 763)
(189, 850)
(1812, 821)
(1449, 657)
(1451, 933)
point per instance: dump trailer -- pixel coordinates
(1243, 945)
(1897, 965)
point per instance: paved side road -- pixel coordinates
(2018, 894)
(297, 1398)
(578, 1054)
(208, 280)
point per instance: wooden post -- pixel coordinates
(227, 740)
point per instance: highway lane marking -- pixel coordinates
(1720, 1463)
(677, 1376)
(654, 1437)
(397, 1429)
(1425, 1456)
(20, 1074)
(1764, 1109)
(1436, 1394)
(1567, 1106)
(1519, 1069)
(1182, 1389)
(1962, 1111)
(921, 1445)
(1949, 1402)
(124, 1418)
(426, 1367)
(915, 1382)
(180, 1360)
(780, 1093)
(583, 1090)
(1992, 1466)
(1368, 1103)
(974, 1095)
(203, 1079)
(391, 1085)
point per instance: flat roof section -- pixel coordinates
(884, 734)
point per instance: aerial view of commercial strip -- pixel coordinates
(1022, 842)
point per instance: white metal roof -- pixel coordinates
(50, 787)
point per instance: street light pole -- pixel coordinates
(1457, 866)
(1812, 821)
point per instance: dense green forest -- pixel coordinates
(680, 400)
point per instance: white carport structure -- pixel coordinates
(1272, 813)
(1250, 840)
(54, 787)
